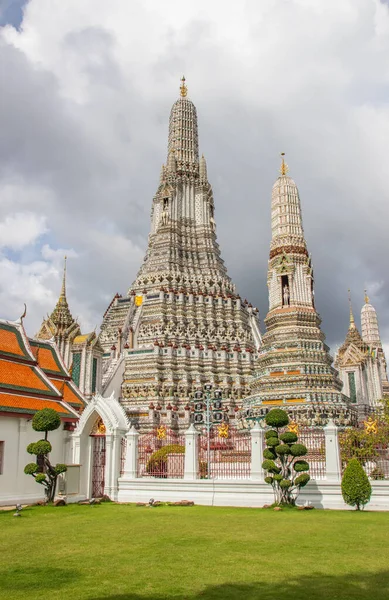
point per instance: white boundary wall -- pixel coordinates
(320, 494)
(253, 492)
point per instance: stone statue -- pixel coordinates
(286, 295)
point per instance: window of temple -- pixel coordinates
(94, 374)
(76, 370)
(351, 385)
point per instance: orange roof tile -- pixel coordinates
(26, 377)
(46, 358)
(11, 342)
(15, 403)
(69, 394)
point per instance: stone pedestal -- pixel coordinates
(257, 435)
(191, 453)
(131, 462)
(333, 462)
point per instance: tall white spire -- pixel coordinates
(286, 218)
(183, 134)
(369, 324)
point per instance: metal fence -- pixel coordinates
(161, 454)
(371, 448)
(229, 455)
(314, 440)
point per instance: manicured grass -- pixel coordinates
(123, 552)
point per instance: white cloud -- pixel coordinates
(19, 230)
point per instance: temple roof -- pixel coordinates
(29, 373)
(61, 315)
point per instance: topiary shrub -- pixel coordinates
(356, 488)
(46, 420)
(282, 468)
(157, 463)
(277, 418)
(43, 471)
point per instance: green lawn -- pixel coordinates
(123, 552)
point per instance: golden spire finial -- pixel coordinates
(367, 299)
(284, 167)
(183, 88)
(352, 320)
(63, 289)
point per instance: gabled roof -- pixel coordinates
(13, 341)
(28, 375)
(50, 361)
(48, 357)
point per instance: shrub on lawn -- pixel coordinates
(157, 463)
(43, 471)
(284, 473)
(356, 488)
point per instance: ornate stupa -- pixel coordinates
(81, 353)
(294, 368)
(181, 323)
(361, 360)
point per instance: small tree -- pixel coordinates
(356, 488)
(42, 470)
(286, 475)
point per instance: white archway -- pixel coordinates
(116, 426)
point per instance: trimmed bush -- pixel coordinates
(273, 441)
(39, 448)
(356, 488)
(60, 468)
(285, 483)
(302, 480)
(269, 453)
(301, 465)
(267, 465)
(31, 468)
(158, 459)
(280, 454)
(288, 437)
(282, 449)
(46, 419)
(298, 450)
(277, 418)
(271, 433)
(44, 472)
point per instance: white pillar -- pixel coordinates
(131, 462)
(257, 434)
(191, 453)
(333, 462)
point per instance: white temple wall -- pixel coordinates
(17, 433)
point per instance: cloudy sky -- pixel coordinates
(86, 90)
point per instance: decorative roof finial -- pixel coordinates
(284, 167)
(352, 320)
(183, 88)
(24, 312)
(367, 299)
(63, 289)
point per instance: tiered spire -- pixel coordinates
(61, 315)
(294, 366)
(369, 324)
(286, 218)
(183, 134)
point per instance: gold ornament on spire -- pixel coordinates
(183, 88)
(352, 320)
(367, 299)
(284, 167)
